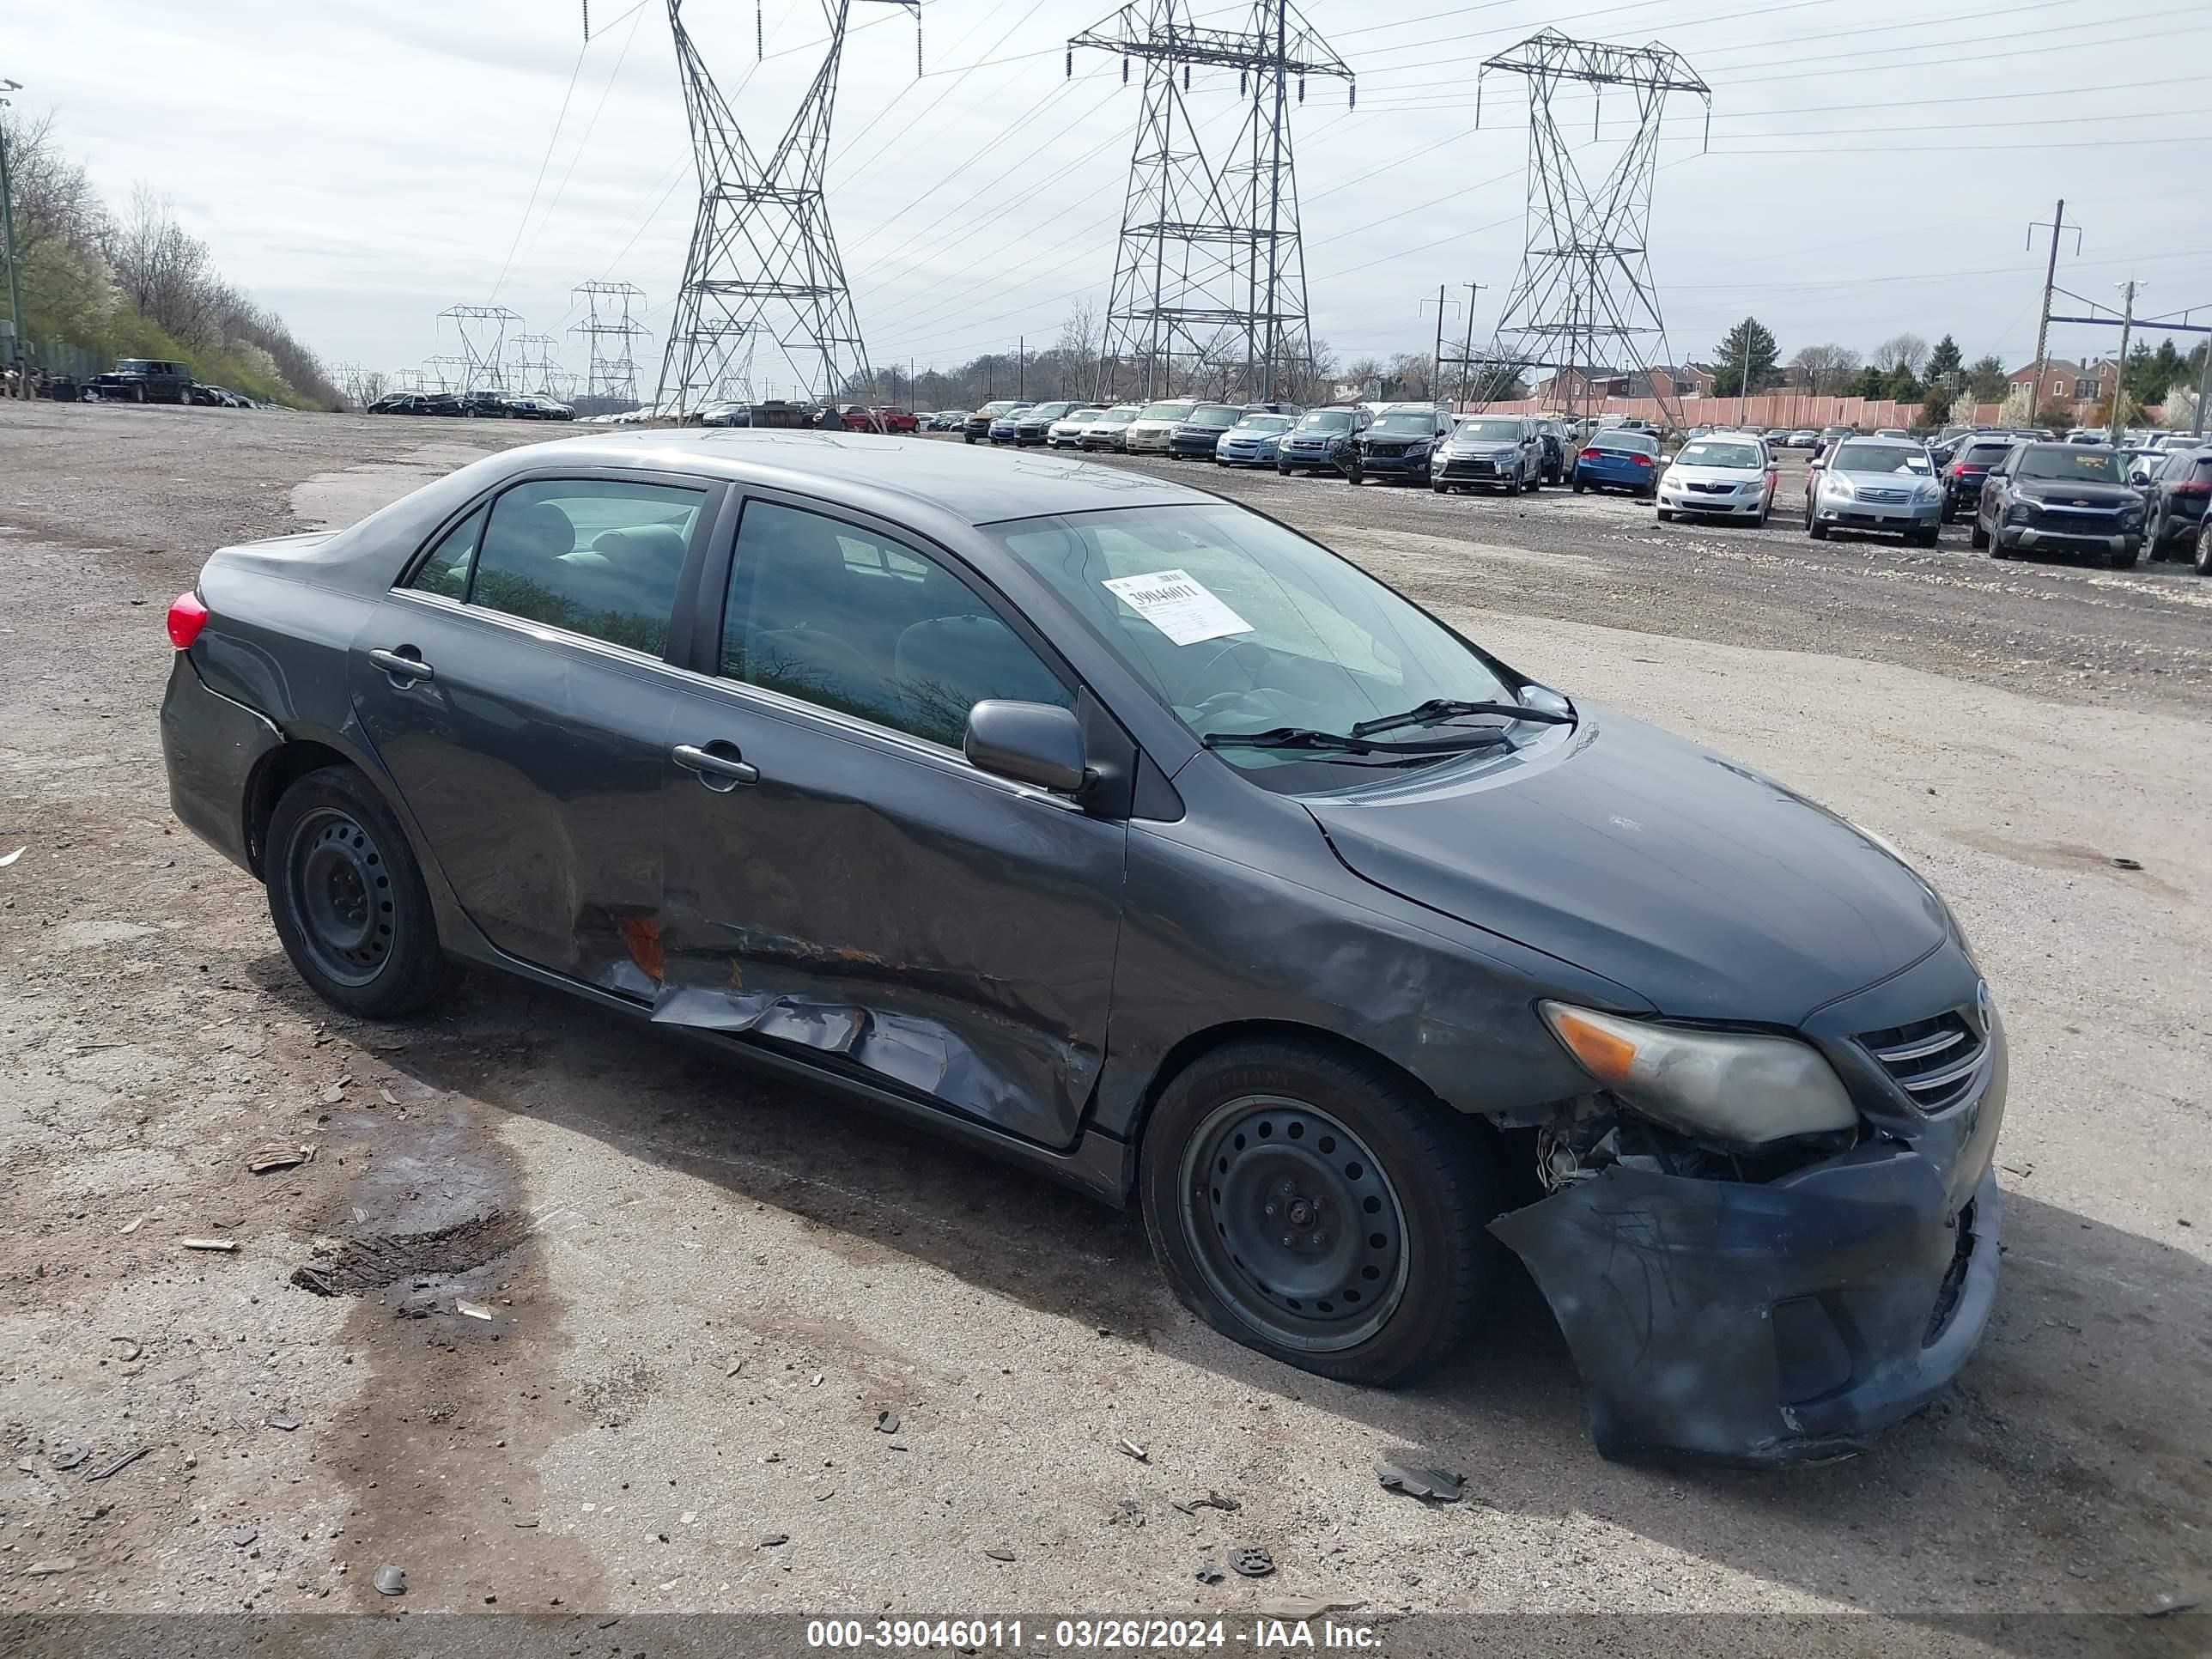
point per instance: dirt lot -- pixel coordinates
(703, 1288)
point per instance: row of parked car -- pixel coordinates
(1408, 442)
(489, 405)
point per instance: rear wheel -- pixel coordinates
(348, 899)
(1979, 537)
(1315, 1206)
(1578, 486)
(2203, 560)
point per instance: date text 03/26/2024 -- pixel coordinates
(1261, 1635)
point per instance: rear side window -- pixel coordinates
(601, 558)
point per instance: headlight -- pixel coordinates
(1928, 492)
(1747, 1089)
(1840, 488)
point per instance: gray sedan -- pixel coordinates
(1118, 830)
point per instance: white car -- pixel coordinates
(1149, 433)
(1066, 433)
(1111, 427)
(1724, 475)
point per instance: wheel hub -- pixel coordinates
(1294, 1221)
(342, 894)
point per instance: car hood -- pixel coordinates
(1705, 886)
(2062, 489)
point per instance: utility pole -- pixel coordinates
(2120, 369)
(1436, 354)
(1021, 365)
(1743, 374)
(2050, 284)
(1467, 351)
(19, 335)
(2203, 393)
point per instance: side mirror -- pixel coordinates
(1033, 742)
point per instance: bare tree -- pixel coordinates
(1825, 367)
(54, 197)
(1078, 345)
(1901, 351)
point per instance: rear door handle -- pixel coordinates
(716, 770)
(403, 667)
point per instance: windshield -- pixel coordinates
(1166, 412)
(1708, 452)
(1219, 415)
(1117, 418)
(1264, 423)
(1879, 457)
(1242, 625)
(1407, 423)
(1326, 420)
(1086, 414)
(1489, 432)
(2085, 464)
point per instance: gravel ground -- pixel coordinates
(704, 1288)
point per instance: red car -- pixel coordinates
(898, 419)
(854, 418)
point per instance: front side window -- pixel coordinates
(595, 558)
(835, 615)
(1241, 625)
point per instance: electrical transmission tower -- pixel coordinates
(763, 264)
(1584, 299)
(533, 365)
(1210, 282)
(610, 366)
(445, 375)
(483, 332)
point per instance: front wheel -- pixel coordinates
(1816, 530)
(348, 899)
(1666, 516)
(2126, 557)
(1315, 1206)
(1355, 475)
(1979, 537)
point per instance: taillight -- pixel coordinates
(2193, 489)
(1589, 454)
(187, 615)
(1640, 460)
(1958, 471)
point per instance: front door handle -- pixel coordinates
(401, 667)
(717, 764)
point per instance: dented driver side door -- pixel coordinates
(837, 877)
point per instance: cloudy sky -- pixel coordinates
(1873, 165)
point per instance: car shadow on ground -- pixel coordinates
(2032, 1484)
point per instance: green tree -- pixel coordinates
(1871, 383)
(1944, 362)
(2150, 372)
(1900, 384)
(1744, 359)
(1936, 407)
(1985, 378)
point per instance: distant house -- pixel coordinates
(2065, 381)
(1666, 381)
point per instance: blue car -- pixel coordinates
(1007, 428)
(1618, 459)
(1255, 441)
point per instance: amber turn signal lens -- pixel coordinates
(1603, 1054)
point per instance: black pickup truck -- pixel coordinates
(146, 380)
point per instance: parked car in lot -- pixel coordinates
(484, 405)
(2175, 502)
(1032, 424)
(1322, 439)
(1877, 484)
(1197, 435)
(417, 403)
(979, 424)
(1111, 427)
(1397, 443)
(1969, 464)
(2204, 559)
(896, 420)
(1616, 458)
(2060, 498)
(1729, 475)
(1489, 451)
(1154, 427)
(726, 414)
(145, 380)
(1255, 441)
(1803, 438)
(538, 408)
(1492, 969)
(1066, 433)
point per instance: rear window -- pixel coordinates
(594, 557)
(1634, 443)
(1985, 454)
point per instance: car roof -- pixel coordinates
(872, 473)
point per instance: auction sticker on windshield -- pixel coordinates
(1178, 604)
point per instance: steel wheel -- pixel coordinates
(341, 888)
(1294, 1222)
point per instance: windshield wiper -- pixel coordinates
(1303, 736)
(1446, 709)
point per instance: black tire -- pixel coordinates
(2204, 559)
(348, 899)
(1578, 486)
(1355, 477)
(1282, 471)
(2125, 558)
(1258, 1116)
(1816, 530)
(2155, 540)
(967, 437)
(1440, 489)
(1979, 537)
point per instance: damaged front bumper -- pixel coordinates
(1768, 1323)
(1782, 1320)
